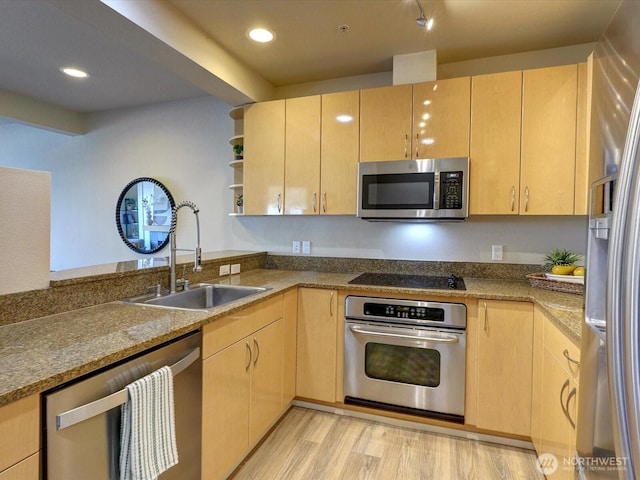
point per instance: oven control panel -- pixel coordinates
(408, 312)
(403, 311)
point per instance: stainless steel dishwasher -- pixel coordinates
(82, 429)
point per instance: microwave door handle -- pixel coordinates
(446, 339)
(436, 191)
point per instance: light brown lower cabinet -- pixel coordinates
(27, 469)
(317, 344)
(505, 343)
(555, 393)
(19, 439)
(242, 390)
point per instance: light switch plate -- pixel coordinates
(235, 268)
(306, 247)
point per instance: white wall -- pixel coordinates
(184, 144)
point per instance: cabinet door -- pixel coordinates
(339, 153)
(28, 469)
(385, 123)
(317, 337)
(266, 379)
(547, 170)
(264, 125)
(496, 105)
(290, 334)
(441, 118)
(556, 431)
(19, 430)
(505, 339)
(225, 409)
(302, 156)
(537, 379)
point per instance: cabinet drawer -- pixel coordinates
(19, 428)
(565, 351)
(225, 331)
(28, 469)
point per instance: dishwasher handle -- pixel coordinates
(97, 407)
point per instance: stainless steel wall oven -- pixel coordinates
(406, 355)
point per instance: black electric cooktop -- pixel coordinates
(450, 282)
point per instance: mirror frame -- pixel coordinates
(121, 209)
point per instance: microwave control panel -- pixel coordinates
(451, 190)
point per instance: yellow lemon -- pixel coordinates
(563, 269)
(579, 272)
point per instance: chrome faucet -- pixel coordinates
(197, 267)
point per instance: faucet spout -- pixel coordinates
(197, 264)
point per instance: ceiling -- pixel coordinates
(170, 49)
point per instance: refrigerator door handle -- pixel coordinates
(97, 407)
(623, 281)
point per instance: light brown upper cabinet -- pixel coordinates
(548, 157)
(586, 171)
(264, 127)
(496, 105)
(321, 154)
(385, 123)
(441, 118)
(339, 153)
(302, 155)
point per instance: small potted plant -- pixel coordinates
(561, 261)
(237, 150)
(240, 204)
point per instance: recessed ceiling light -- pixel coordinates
(74, 72)
(261, 35)
(344, 118)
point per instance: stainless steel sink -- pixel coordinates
(199, 297)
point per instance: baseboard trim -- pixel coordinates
(481, 437)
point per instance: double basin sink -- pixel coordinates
(198, 297)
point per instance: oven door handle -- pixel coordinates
(445, 339)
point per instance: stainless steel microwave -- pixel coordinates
(424, 190)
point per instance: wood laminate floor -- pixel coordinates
(313, 445)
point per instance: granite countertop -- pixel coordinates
(42, 353)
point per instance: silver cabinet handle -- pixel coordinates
(255, 342)
(513, 198)
(566, 355)
(572, 394)
(486, 326)
(417, 143)
(445, 339)
(279, 202)
(331, 304)
(526, 199)
(324, 202)
(314, 202)
(406, 141)
(97, 407)
(246, 369)
(565, 385)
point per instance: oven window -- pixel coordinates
(398, 191)
(395, 363)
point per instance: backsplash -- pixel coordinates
(504, 271)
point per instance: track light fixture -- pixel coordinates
(423, 21)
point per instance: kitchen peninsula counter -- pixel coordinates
(42, 353)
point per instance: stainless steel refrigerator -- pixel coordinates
(608, 427)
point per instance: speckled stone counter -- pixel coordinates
(39, 354)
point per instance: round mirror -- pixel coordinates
(143, 215)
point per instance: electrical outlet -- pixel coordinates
(225, 270)
(496, 252)
(306, 247)
(296, 247)
(235, 268)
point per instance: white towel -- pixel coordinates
(148, 439)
